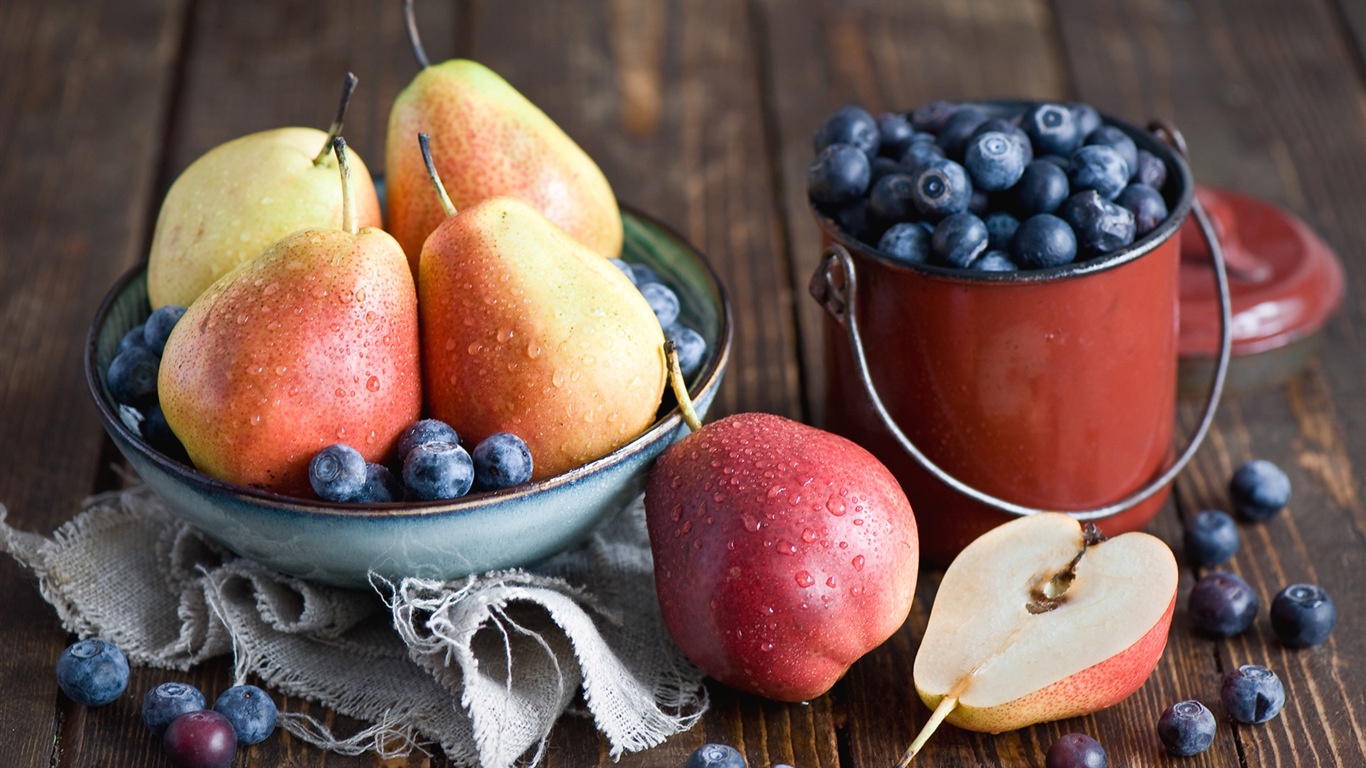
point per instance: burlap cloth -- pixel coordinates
(482, 667)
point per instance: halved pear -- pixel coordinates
(1041, 619)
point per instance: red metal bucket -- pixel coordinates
(991, 395)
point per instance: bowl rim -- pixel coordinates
(709, 380)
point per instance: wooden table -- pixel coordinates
(701, 113)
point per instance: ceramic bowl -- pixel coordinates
(344, 544)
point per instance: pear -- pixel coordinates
(243, 195)
(313, 342)
(489, 141)
(783, 553)
(1041, 619)
(526, 330)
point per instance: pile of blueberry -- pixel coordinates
(132, 378)
(986, 188)
(663, 300)
(94, 672)
(428, 464)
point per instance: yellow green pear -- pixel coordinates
(243, 195)
(489, 141)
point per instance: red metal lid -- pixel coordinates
(1284, 281)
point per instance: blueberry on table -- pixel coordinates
(942, 188)
(1052, 129)
(132, 377)
(1186, 728)
(994, 261)
(1146, 204)
(1252, 694)
(92, 672)
(894, 133)
(1116, 139)
(1151, 170)
(1303, 615)
(1259, 489)
(931, 116)
(1099, 167)
(1043, 186)
(689, 345)
(337, 473)
(380, 486)
(1222, 604)
(1211, 537)
(892, 198)
(958, 239)
(203, 739)
(953, 137)
(663, 302)
(994, 160)
(1101, 226)
(1044, 240)
(839, 174)
(1001, 229)
(715, 756)
(502, 460)
(439, 470)
(850, 125)
(250, 710)
(907, 242)
(168, 701)
(158, 327)
(1076, 750)
(419, 432)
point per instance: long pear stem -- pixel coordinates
(680, 387)
(410, 20)
(946, 705)
(348, 194)
(348, 85)
(425, 142)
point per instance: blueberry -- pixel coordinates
(858, 220)
(135, 337)
(906, 242)
(159, 324)
(1252, 694)
(380, 486)
(1052, 129)
(438, 470)
(1222, 604)
(337, 473)
(892, 198)
(1259, 489)
(953, 137)
(502, 460)
(942, 188)
(1043, 186)
(662, 300)
(1146, 204)
(1303, 615)
(919, 153)
(1099, 167)
(1116, 139)
(1058, 160)
(1186, 728)
(715, 756)
(168, 701)
(932, 116)
(994, 160)
(132, 377)
(689, 345)
(958, 239)
(92, 672)
(1211, 538)
(250, 710)
(1100, 225)
(1009, 128)
(1076, 750)
(994, 261)
(894, 134)
(850, 125)
(1044, 240)
(203, 739)
(644, 274)
(1001, 228)
(1151, 170)
(158, 434)
(882, 167)
(625, 268)
(419, 432)
(1085, 116)
(839, 174)
(979, 203)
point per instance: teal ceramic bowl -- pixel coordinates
(344, 544)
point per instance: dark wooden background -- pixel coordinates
(700, 112)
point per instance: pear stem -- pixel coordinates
(410, 20)
(348, 85)
(680, 387)
(348, 194)
(946, 705)
(425, 141)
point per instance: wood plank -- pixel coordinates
(84, 96)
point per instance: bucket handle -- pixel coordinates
(835, 286)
